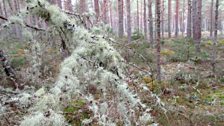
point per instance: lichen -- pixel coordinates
(49, 118)
(93, 72)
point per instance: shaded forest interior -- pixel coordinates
(112, 62)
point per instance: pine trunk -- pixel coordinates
(150, 22)
(197, 7)
(138, 15)
(97, 11)
(211, 16)
(216, 19)
(189, 15)
(82, 8)
(169, 18)
(162, 18)
(145, 20)
(177, 18)
(104, 11)
(129, 20)
(158, 39)
(121, 18)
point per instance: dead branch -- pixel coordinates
(27, 25)
(9, 71)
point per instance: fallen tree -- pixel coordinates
(93, 73)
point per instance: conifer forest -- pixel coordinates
(111, 62)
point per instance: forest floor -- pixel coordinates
(191, 92)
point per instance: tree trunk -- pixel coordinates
(150, 22)
(162, 18)
(82, 4)
(214, 55)
(111, 15)
(68, 5)
(1, 9)
(104, 10)
(138, 15)
(121, 20)
(182, 18)
(59, 3)
(177, 18)
(197, 7)
(211, 16)
(145, 20)
(129, 20)
(52, 2)
(189, 15)
(169, 18)
(158, 39)
(97, 11)
(216, 19)
(4, 8)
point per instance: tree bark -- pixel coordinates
(169, 18)
(129, 20)
(150, 22)
(111, 15)
(182, 18)
(211, 16)
(189, 15)
(214, 55)
(145, 20)
(105, 11)
(138, 16)
(68, 5)
(158, 39)
(121, 20)
(1, 11)
(4, 8)
(177, 18)
(197, 7)
(216, 19)
(59, 3)
(162, 18)
(97, 11)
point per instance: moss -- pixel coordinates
(18, 62)
(76, 112)
(167, 52)
(213, 97)
(221, 42)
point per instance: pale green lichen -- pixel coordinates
(25, 99)
(94, 62)
(16, 20)
(46, 102)
(49, 118)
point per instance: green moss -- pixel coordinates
(73, 114)
(216, 95)
(18, 62)
(221, 42)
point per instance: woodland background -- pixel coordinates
(174, 48)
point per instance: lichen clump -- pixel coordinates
(93, 72)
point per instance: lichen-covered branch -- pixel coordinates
(27, 25)
(93, 72)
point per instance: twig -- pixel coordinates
(147, 72)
